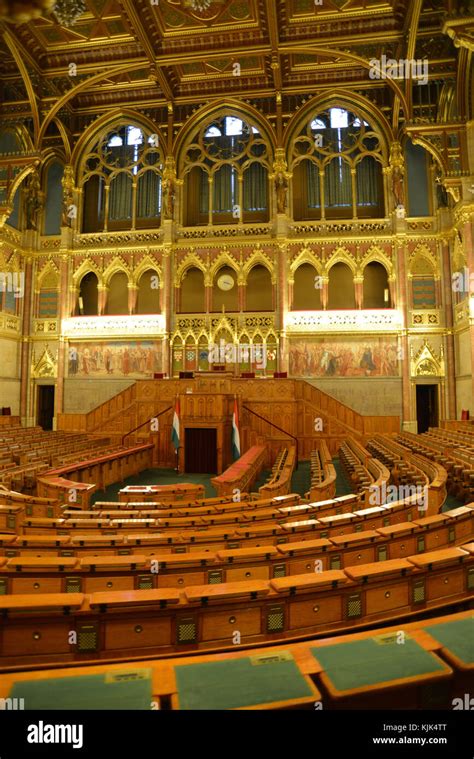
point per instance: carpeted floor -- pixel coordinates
(343, 487)
(156, 477)
(300, 483)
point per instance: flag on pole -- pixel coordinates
(235, 432)
(175, 427)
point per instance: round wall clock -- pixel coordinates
(225, 282)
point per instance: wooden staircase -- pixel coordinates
(295, 406)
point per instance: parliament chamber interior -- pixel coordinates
(236, 355)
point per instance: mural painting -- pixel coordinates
(377, 357)
(140, 358)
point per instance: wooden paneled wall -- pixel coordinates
(295, 406)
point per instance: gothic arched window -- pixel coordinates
(121, 181)
(336, 160)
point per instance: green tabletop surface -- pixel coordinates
(130, 689)
(235, 683)
(367, 662)
(457, 636)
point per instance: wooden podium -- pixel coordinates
(207, 411)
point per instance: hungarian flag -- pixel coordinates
(235, 432)
(175, 427)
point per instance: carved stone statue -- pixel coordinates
(168, 195)
(441, 194)
(69, 212)
(281, 187)
(398, 186)
(33, 201)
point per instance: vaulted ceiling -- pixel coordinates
(153, 54)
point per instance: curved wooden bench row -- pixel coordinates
(46, 566)
(241, 475)
(323, 474)
(117, 624)
(364, 471)
(77, 481)
(460, 468)
(228, 536)
(431, 669)
(427, 473)
(282, 472)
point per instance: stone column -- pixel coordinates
(408, 422)
(166, 307)
(242, 298)
(392, 286)
(468, 238)
(132, 298)
(359, 291)
(62, 346)
(25, 412)
(282, 307)
(325, 292)
(208, 297)
(102, 299)
(449, 337)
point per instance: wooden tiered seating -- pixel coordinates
(110, 623)
(53, 564)
(323, 474)
(241, 475)
(163, 576)
(433, 671)
(279, 482)
(367, 475)
(451, 450)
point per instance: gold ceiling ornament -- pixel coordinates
(201, 5)
(17, 12)
(68, 11)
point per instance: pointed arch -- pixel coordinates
(48, 276)
(374, 253)
(305, 256)
(189, 262)
(423, 253)
(116, 265)
(340, 99)
(146, 264)
(224, 259)
(86, 267)
(230, 107)
(257, 258)
(341, 256)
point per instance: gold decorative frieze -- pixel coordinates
(231, 230)
(48, 243)
(113, 326)
(117, 238)
(426, 318)
(422, 225)
(254, 320)
(10, 324)
(328, 228)
(45, 326)
(368, 320)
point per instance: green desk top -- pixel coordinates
(237, 683)
(457, 636)
(374, 660)
(130, 689)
